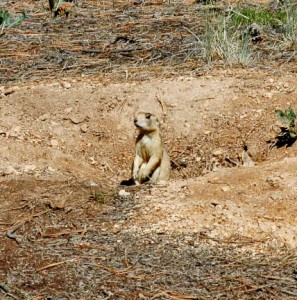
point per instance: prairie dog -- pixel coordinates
(151, 162)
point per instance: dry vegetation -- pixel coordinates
(146, 39)
(66, 237)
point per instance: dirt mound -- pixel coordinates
(65, 146)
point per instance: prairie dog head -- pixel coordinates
(146, 122)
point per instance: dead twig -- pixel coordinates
(16, 208)
(13, 229)
(17, 225)
(278, 278)
(88, 246)
(55, 264)
(114, 271)
(175, 295)
(6, 290)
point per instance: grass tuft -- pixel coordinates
(222, 42)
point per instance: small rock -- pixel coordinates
(77, 119)
(54, 143)
(44, 117)
(29, 169)
(9, 91)
(286, 85)
(124, 196)
(90, 183)
(2, 131)
(217, 153)
(93, 161)
(124, 193)
(50, 169)
(68, 110)
(84, 128)
(225, 188)
(66, 85)
(10, 170)
(14, 131)
(268, 95)
(182, 162)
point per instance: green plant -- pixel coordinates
(100, 196)
(4, 17)
(57, 8)
(6, 21)
(54, 4)
(290, 28)
(223, 41)
(248, 14)
(288, 130)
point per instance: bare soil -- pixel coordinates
(221, 228)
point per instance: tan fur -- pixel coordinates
(151, 161)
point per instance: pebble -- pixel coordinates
(44, 117)
(68, 110)
(66, 85)
(84, 128)
(217, 153)
(90, 183)
(54, 143)
(182, 162)
(76, 119)
(268, 95)
(124, 196)
(29, 169)
(50, 169)
(2, 131)
(10, 170)
(225, 188)
(124, 193)
(15, 131)
(93, 161)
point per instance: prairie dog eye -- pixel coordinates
(147, 116)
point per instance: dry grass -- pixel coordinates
(149, 39)
(77, 252)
